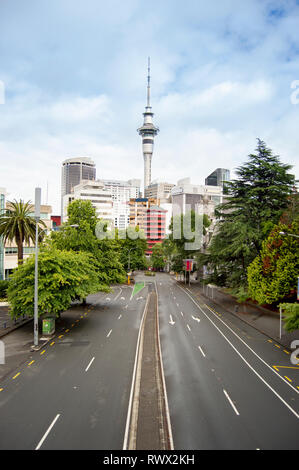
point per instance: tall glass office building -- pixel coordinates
(218, 178)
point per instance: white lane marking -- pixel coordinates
(188, 327)
(89, 364)
(115, 298)
(182, 314)
(174, 298)
(119, 317)
(122, 298)
(126, 306)
(126, 436)
(163, 376)
(196, 319)
(109, 334)
(201, 351)
(177, 305)
(171, 321)
(46, 434)
(108, 298)
(230, 401)
(262, 360)
(246, 362)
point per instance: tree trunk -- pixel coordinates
(20, 252)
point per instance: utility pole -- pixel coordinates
(37, 203)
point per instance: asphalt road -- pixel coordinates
(75, 393)
(223, 391)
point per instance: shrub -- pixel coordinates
(291, 316)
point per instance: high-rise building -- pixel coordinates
(155, 227)
(218, 178)
(148, 132)
(149, 217)
(75, 170)
(202, 199)
(159, 190)
(2, 209)
(96, 193)
(122, 192)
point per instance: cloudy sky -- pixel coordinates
(74, 79)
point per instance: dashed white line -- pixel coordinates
(188, 327)
(201, 351)
(230, 401)
(119, 317)
(46, 434)
(243, 359)
(118, 295)
(182, 314)
(89, 364)
(109, 333)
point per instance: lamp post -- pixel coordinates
(289, 234)
(129, 263)
(37, 218)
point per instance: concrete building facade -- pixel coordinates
(96, 193)
(122, 192)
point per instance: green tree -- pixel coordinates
(106, 252)
(133, 245)
(17, 224)
(64, 276)
(255, 202)
(186, 237)
(158, 256)
(272, 276)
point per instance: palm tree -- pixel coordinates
(16, 224)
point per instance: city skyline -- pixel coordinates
(221, 80)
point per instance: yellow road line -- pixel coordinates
(288, 379)
(43, 352)
(16, 376)
(53, 342)
(73, 324)
(274, 367)
(270, 341)
(81, 316)
(1, 389)
(67, 330)
(277, 346)
(77, 321)
(31, 363)
(61, 336)
(287, 367)
(287, 352)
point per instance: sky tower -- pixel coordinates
(148, 132)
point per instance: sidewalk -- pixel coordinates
(258, 317)
(7, 324)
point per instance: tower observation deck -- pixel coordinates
(148, 131)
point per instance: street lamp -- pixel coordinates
(289, 234)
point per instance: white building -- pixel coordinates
(159, 190)
(122, 192)
(97, 193)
